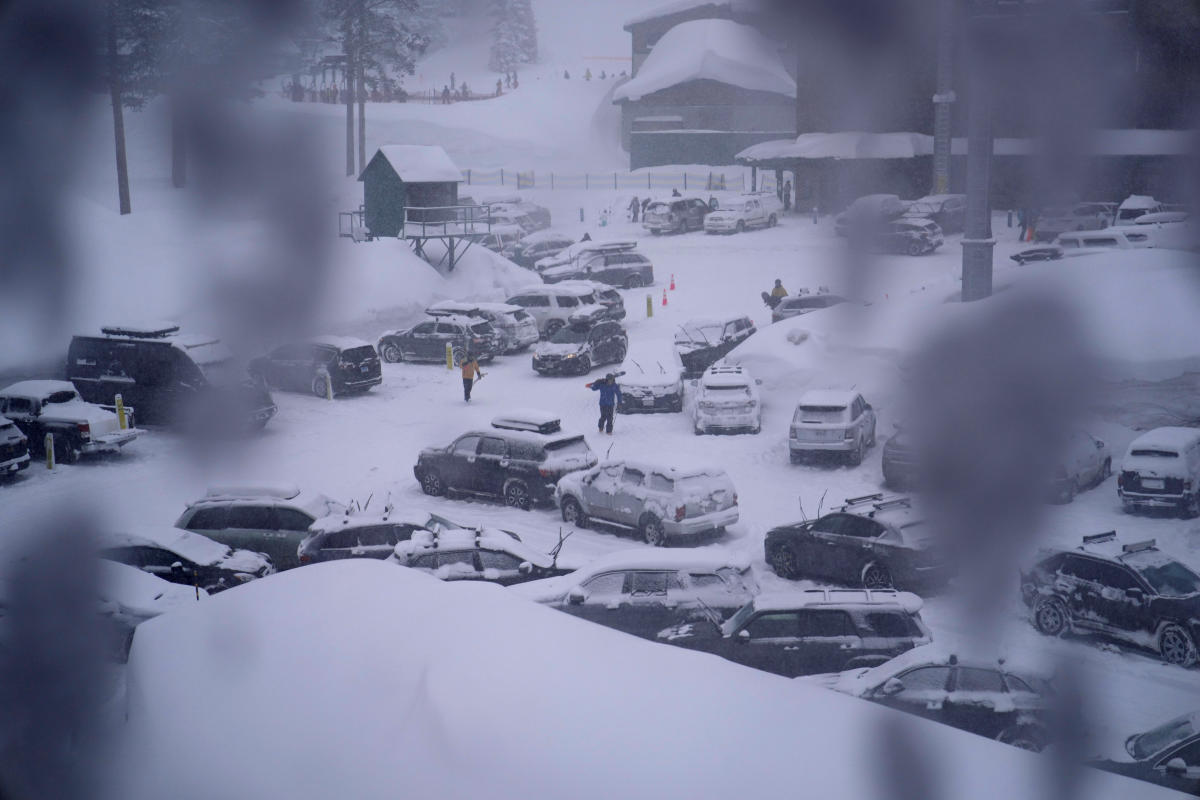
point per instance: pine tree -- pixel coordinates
(514, 34)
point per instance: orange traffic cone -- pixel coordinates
(664, 297)
(672, 281)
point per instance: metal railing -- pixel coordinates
(650, 181)
(423, 222)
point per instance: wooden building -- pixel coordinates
(405, 176)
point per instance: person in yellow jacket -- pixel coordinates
(470, 371)
(779, 292)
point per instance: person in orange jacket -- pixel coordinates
(470, 371)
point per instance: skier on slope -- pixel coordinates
(610, 394)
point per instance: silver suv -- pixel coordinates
(832, 421)
(658, 502)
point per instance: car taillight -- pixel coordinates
(546, 473)
(680, 512)
(305, 558)
(85, 430)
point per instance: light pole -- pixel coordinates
(977, 243)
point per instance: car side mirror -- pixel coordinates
(891, 687)
(525, 568)
(576, 596)
(1176, 767)
(743, 636)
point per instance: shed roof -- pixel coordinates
(418, 163)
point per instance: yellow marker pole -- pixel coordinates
(328, 387)
(449, 356)
(120, 402)
(649, 306)
(49, 450)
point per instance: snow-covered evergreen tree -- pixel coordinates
(514, 34)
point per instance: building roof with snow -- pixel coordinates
(710, 7)
(710, 49)
(418, 163)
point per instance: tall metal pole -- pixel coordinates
(944, 97)
(977, 240)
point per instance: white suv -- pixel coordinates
(745, 212)
(727, 401)
(553, 306)
(832, 421)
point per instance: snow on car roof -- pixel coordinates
(464, 306)
(710, 49)
(537, 237)
(935, 654)
(340, 342)
(558, 289)
(828, 397)
(1168, 438)
(674, 473)
(690, 560)
(253, 491)
(938, 198)
(533, 417)
(37, 388)
(1139, 201)
(420, 163)
(192, 546)
(1161, 216)
(458, 319)
(401, 516)
(795, 599)
(465, 539)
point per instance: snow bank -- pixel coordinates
(843, 144)
(710, 49)
(357, 679)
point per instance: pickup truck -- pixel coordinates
(745, 212)
(55, 407)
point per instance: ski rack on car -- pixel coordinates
(878, 502)
(1100, 538)
(1138, 547)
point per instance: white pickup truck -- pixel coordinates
(747, 211)
(78, 427)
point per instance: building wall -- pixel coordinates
(714, 148)
(383, 199)
(712, 106)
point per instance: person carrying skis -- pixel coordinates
(470, 371)
(610, 393)
(779, 292)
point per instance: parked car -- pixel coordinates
(520, 459)
(1134, 206)
(740, 215)
(552, 306)
(581, 249)
(349, 365)
(1079, 217)
(502, 236)
(901, 470)
(949, 211)
(799, 304)
(1085, 462)
(989, 698)
(677, 215)
(428, 340)
(606, 296)
(868, 212)
(514, 327)
(267, 519)
(1162, 470)
(187, 380)
(1131, 592)
(364, 535)
(184, 557)
(127, 597)
(510, 219)
(703, 342)
(660, 503)
(811, 631)
(622, 268)
(14, 449)
(727, 401)
(78, 427)
(652, 381)
(643, 592)
(831, 421)
(477, 555)
(588, 341)
(870, 541)
(1032, 254)
(532, 216)
(1168, 755)
(915, 236)
(544, 244)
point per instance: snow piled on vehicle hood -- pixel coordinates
(140, 595)
(467, 691)
(557, 348)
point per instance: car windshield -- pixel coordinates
(921, 209)
(65, 396)
(481, 328)
(821, 414)
(571, 334)
(1158, 739)
(1153, 453)
(1170, 579)
(701, 334)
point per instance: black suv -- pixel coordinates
(869, 541)
(810, 632)
(349, 366)
(622, 268)
(427, 341)
(703, 342)
(1132, 592)
(587, 341)
(519, 459)
(170, 377)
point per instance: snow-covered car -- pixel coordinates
(1107, 239)
(1162, 470)
(502, 236)
(641, 592)
(868, 212)
(871, 541)
(43, 407)
(915, 236)
(1131, 592)
(831, 421)
(513, 208)
(1085, 462)
(660, 503)
(652, 381)
(1168, 755)
(349, 366)
(727, 401)
(1079, 217)
(515, 328)
(739, 215)
(579, 249)
(623, 268)
(949, 211)
(519, 459)
(587, 341)
(552, 305)
(606, 296)
(675, 214)
(267, 519)
(1134, 206)
(800, 304)
(703, 342)
(128, 596)
(428, 340)
(536, 246)
(811, 631)
(367, 535)
(184, 557)
(990, 698)
(14, 449)
(474, 555)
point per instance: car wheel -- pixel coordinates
(655, 232)
(1025, 737)
(585, 365)
(784, 561)
(772, 221)
(652, 531)
(65, 451)
(1176, 646)
(633, 282)
(390, 353)
(553, 327)
(875, 576)
(741, 227)
(1050, 617)
(431, 484)
(572, 513)
(856, 455)
(915, 249)
(318, 386)
(516, 495)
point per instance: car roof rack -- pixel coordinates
(147, 331)
(1138, 547)
(1099, 538)
(894, 502)
(853, 501)
(533, 422)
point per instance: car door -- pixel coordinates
(920, 690)
(978, 701)
(459, 471)
(290, 525)
(500, 567)
(250, 528)
(649, 601)
(771, 643)
(420, 342)
(491, 465)
(629, 500)
(1078, 585)
(602, 343)
(827, 551)
(278, 366)
(1091, 457)
(1120, 602)
(599, 599)
(600, 491)
(338, 545)
(827, 641)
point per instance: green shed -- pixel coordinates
(401, 176)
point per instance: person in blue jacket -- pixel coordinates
(610, 393)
